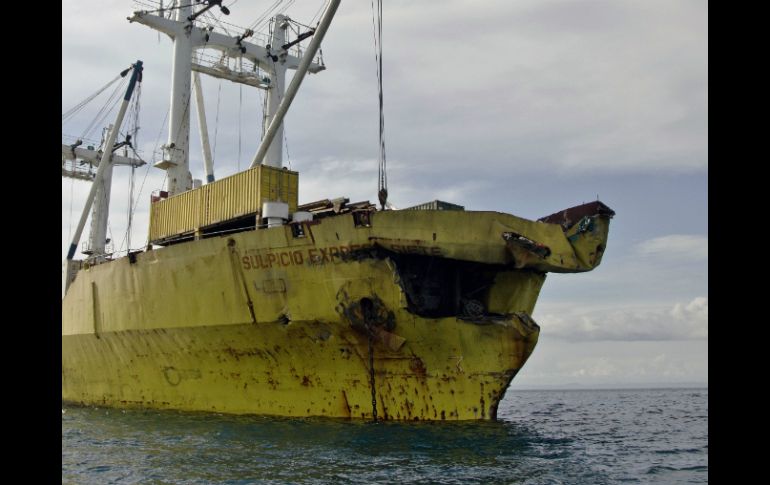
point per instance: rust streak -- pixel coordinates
(346, 403)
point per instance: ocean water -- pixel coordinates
(541, 437)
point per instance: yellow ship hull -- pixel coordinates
(301, 369)
(406, 314)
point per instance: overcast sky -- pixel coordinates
(520, 106)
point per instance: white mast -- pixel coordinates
(177, 150)
(203, 130)
(274, 60)
(288, 97)
(274, 155)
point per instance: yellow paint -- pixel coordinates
(235, 196)
(255, 322)
(299, 369)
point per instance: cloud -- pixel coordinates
(660, 366)
(557, 362)
(696, 312)
(680, 321)
(675, 247)
(521, 86)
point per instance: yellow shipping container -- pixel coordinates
(233, 197)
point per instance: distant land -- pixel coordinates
(624, 385)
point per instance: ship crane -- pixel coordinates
(88, 163)
(274, 58)
(99, 195)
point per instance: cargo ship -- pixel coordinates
(245, 301)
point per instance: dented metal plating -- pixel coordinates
(280, 321)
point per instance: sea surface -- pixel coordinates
(541, 437)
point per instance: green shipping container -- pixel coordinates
(436, 205)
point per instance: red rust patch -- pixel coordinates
(417, 366)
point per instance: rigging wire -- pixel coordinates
(104, 112)
(276, 8)
(129, 225)
(160, 134)
(382, 176)
(132, 131)
(287, 6)
(213, 17)
(265, 15)
(149, 165)
(231, 26)
(279, 6)
(75, 109)
(132, 127)
(167, 12)
(162, 10)
(317, 15)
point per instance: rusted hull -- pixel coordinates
(301, 369)
(281, 321)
